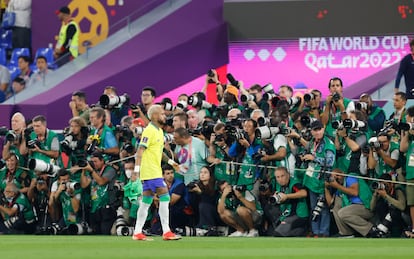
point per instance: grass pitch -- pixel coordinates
(100, 247)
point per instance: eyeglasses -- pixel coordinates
(145, 95)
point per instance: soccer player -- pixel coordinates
(148, 165)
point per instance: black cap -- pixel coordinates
(19, 80)
(63, 9)
(316, 125)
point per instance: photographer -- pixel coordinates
(206, 196)
(12, 173)
(78, 106)
(407, 147)
(191, 154)
(102, 138)
(117, 111)
(239, 209)
(375, 114)
(383, 155)
(287, 210)
(140, 110)
(350, 202)
(313, 104)
(254, 99)
(100, 179)
(244, 149)
(74, 144)
(321, 157)
(399, 115)
(219, 146)
(66, 195)
(16, 212)
(349, 141)
(13, 139)
(41, 143)
(337, 107)
(387, 204)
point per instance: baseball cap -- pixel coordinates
(63, 9)
(316, 125)
(233, 90)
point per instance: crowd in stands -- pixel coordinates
(264, 162)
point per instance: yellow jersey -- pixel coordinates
(153, 140)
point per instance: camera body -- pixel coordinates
(336, 96)
(378, 186)
(191, 185)
(275, 199)
(374, 143)
(32, 143)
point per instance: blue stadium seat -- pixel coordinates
(16, 53)
(3, 59)
(6, 39)
(48, 54)
(14, 72)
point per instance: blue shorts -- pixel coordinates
(153, 184)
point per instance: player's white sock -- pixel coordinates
(164, 216)
(142, 214)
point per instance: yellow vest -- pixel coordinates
(74, 44)
(3, 4)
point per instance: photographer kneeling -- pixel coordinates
(287, 209)
(387, 204)
(349, 199)
(239, 209)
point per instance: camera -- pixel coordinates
(362, 106)
(72, 185)
(191, 231)
(269, 92)
(336, 96)
(293, 102)
(338, 125)
(308, 97)
(219, 138)
(259, 154)
(3, 131)
(138, 130)
(168, 138)
(68, 144)
(320, 204)
(210, 73)
(181, 105)
(285, 130)
(192, 184)
(121, 225)
(43, 167)
(12, 136)
(136, 107)
(168, 106)
(350, 124)
(240, 188)
(275, 199)
(113, 101)
(92, 147)
(306, 121)
(197, 102)
(262, 121)
(124, 133)
(195, 132)
(28, 131)
(207, 129)
(233, 81)
(32, 143)
(403, 126)
(266, 132)
(53, 229)
(244, 98)
(78, 229)
(378, 186)
(128, 147)
(383, 228)
(264, 186)
(374, 143)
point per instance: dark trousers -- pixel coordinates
(101, 220)
(22, 38)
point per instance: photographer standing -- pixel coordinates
(74, 144)
(407, 147)
(287, 210)
(78, 106)
(239, 209)
(100, 180)
(350, 202)
(387, 204)
(14, 137)
(41, 143)
(376, 115)
(337, 107)
(219, 146)
(16, 212)
(321, 157)
(383, 155)
(102, 138)
(349, 142)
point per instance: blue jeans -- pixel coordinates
(321, 225)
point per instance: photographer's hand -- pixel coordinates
(283, 197)
(308, 157)
(382, 193)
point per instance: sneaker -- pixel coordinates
(345, 236)
(237, 234)
(170, 236)
(141, 237)
(253, 233)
